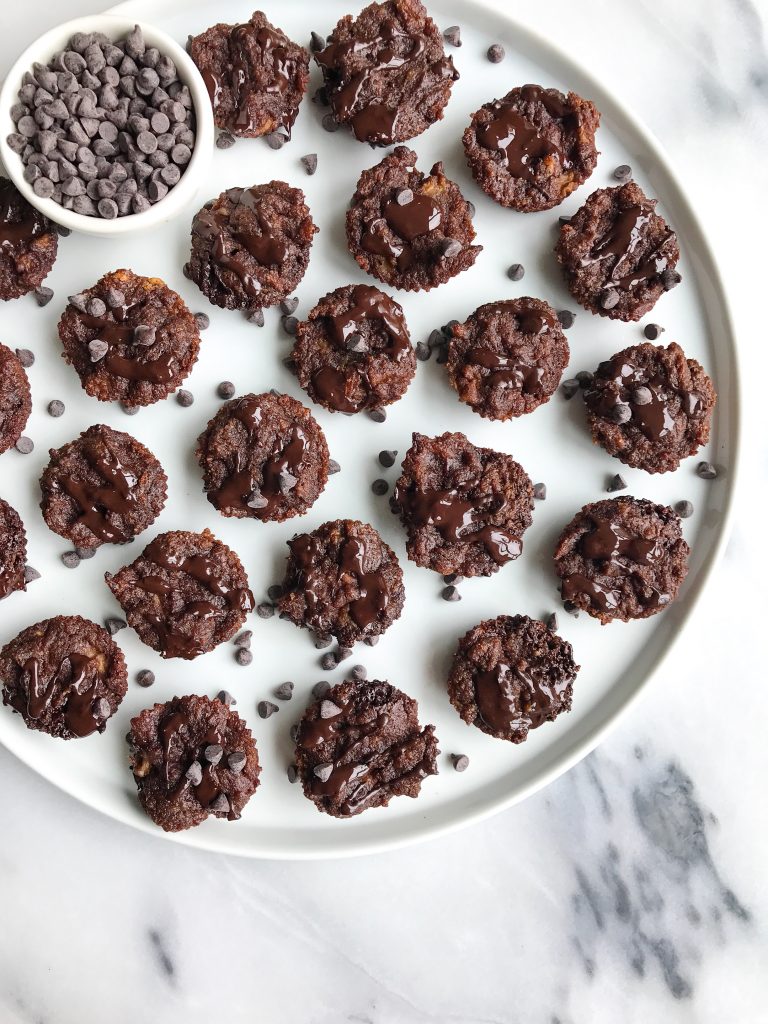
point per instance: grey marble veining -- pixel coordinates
(633, 890)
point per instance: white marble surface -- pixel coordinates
(634, 889)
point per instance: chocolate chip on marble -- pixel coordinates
(616, 483)
(516, 272)
(276, 140)
(56, 408)
(321, 642)
(243, 639)
(289, 305)
(706, 470)
(226, 389)
(460, 762)
(570, 387)
(184, 398)
(566, 318)
(342, 653)
(496, 53)
(371, 641)
(453, 577)
(85, 553)
(266, 708)
(236, 761)
(30, 574)
(225, 140)
(623, 173)
(652, 331)
(379, 487)
(333, 467)
(450, 594)
(310, 162)
(284, 691)
(226, 698)
(377, 415)
(540, 492)
(194, 774)
(323, 771)
(684, 509)
(114, 625)
(70, 559)
(25, 445)
(243, 656)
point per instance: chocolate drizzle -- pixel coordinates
(177, 728)
(115, 495)
(418, 217)
(20, 223)
(371, 304)
(520, 144)
(73, 687)
(507, 372)
(514, 697)
(621, 242)
(114, 330)
(654, 418)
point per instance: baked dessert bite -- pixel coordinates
(342, 580)
(618, 255)
(192, 758)
(361, 745)
(28, 244)
(465, 508)
(353, 352)
(532, 148)
(650, 406)
(263, 457)
(185, 594)
(386, 74)
(410, 230)
(129, 339)
(250, 246)
(13, 551)
(255, 75)
(104, 487)
(621, 558)
(511, 674)
(507, 358)
(65, 676)
(15, 398)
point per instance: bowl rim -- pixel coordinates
(41, 50)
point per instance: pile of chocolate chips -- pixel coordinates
(105, 128)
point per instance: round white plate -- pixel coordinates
(552, 444)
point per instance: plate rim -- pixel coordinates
(422, 831)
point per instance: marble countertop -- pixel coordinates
(633, 889)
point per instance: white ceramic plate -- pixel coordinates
(552, 444)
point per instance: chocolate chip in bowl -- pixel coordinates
(103, 121)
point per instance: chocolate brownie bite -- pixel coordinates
(263, 457)
(192, 758)
(621, 558)
(508, 358)
(250, 246)
(28, 244)
(342, 580)
(354, 351)
(407, 229)
(13, 550)
(465, 508)
(360, 745)
(104, 487)
(15, 398)
(386, 74)
(65, 676)
(650, 406)
(185, 594)
(129, 338)
(511, 674)
(255, 75)
(618, 255)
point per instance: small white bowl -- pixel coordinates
(194, 174)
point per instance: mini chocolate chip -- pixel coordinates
(460, 762)
(145, 677)
(379, 487)
(319, 690)
(564, 220)
(371, 641)
(114, 625)
(194, 774)
(450, 247)
(56, 408)
(226, 698)
(321, 642)
(266, 708)
(275, 591)
(540, 492)
(569, 387)
(256, 500)
(623, 173)
(453, 577)
(243, 656)
(184, 398)
(25, 445)
(85, 553)
(30, 574)
(333, 467)
(71, 559)
(450, 594)
(343, 653)
(317, 42)
(225, 389)
(571, 608)
(323, 771)
(641, 395)
(289, 305)
(330, 123)
(310, 162)
(609, 298)
(670, 279)
(264, 610)
(516, 272)
(359, 672)
(25, 357)
(144, 335)
(256, 317)
(243, 639)
(616, 483)
(213, 753)
(276, 140)
(552, 621)
(377, 415)
(203, 321)
(114, 298)
(78, 301)
(328, 662)
(387, 458)
(236, 761)
(404, 196)
(452, 35)
(684, 509)
(97, 349)
(293, 773)
(129, 410)
(496, 53)
(620, 413)
(284, 691)
(423, 351)
(706, 470)
(225, 140)
(566, 318)
(652, 331)
(585, 378)
(220, 805)
(43, 295)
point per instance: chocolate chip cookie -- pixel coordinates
(28, 244)
(13, 550)
(15, 399)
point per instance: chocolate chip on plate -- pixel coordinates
(616, 483)
(226, 389)
(623, 173)
(114, 625)
(25, 445)
(379, 487)
(566, 318)
(516, 272)
(71, 559)
(652, 331)
(184, 398)
(387, 458)
(203, 321)
(540, 492)
(706, 470)
(451, 594)
(310, 162)
(145, 677)
(226, 698)
(452, 35)
(243, 656)
(266, 708)
(570, 387)
(284, 691)
(460, 762)
(684, 509)
(244, 639)
(496, 53)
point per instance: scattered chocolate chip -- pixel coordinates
(359, 672)
(145, 677)
(453, 577)
(450, 247)
(564, 220)
(323, 771)
(706, 470)
(328, 662)
(496, 53)
(43, 295)
(379, 487)
(566, 318)
(243, 656)
(264, 610)
(342, 653)
(552, 622)
(609, 298)
(289, 323)
(274, 592)
(452, 35)
(387, 458)
(114, 625)
(570, 387)
(226, 389)
(220, 805)
(310, 162)
(244, 639)
(256, 317)
(333, 467)
(30, 574)
(236, 761)
(371, 641)
(321, 642)
(213, 753)
(56, 408)
(356, 343)
(194, 774)
(85, 553)
(623, 173)
(289, 305)
(652, 331)
(516, 272)
(460, 762)
(670, 279)
(25, 445)
(330, 123)
(276, 140)
(540, 492)
(25, 356)
(317, 42)
(450, 594)
(377, 415)
(184, 398)
(684, 509)
(284, 691)
(266, 708)
(203, 321)
(423, 351)
(571, 608)
(616, 483)
(585, 378)
(71, 559)
(293, 772)
(225, 140)
(226, 698)
(437, 338)
(620, 413)
(320, 689)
